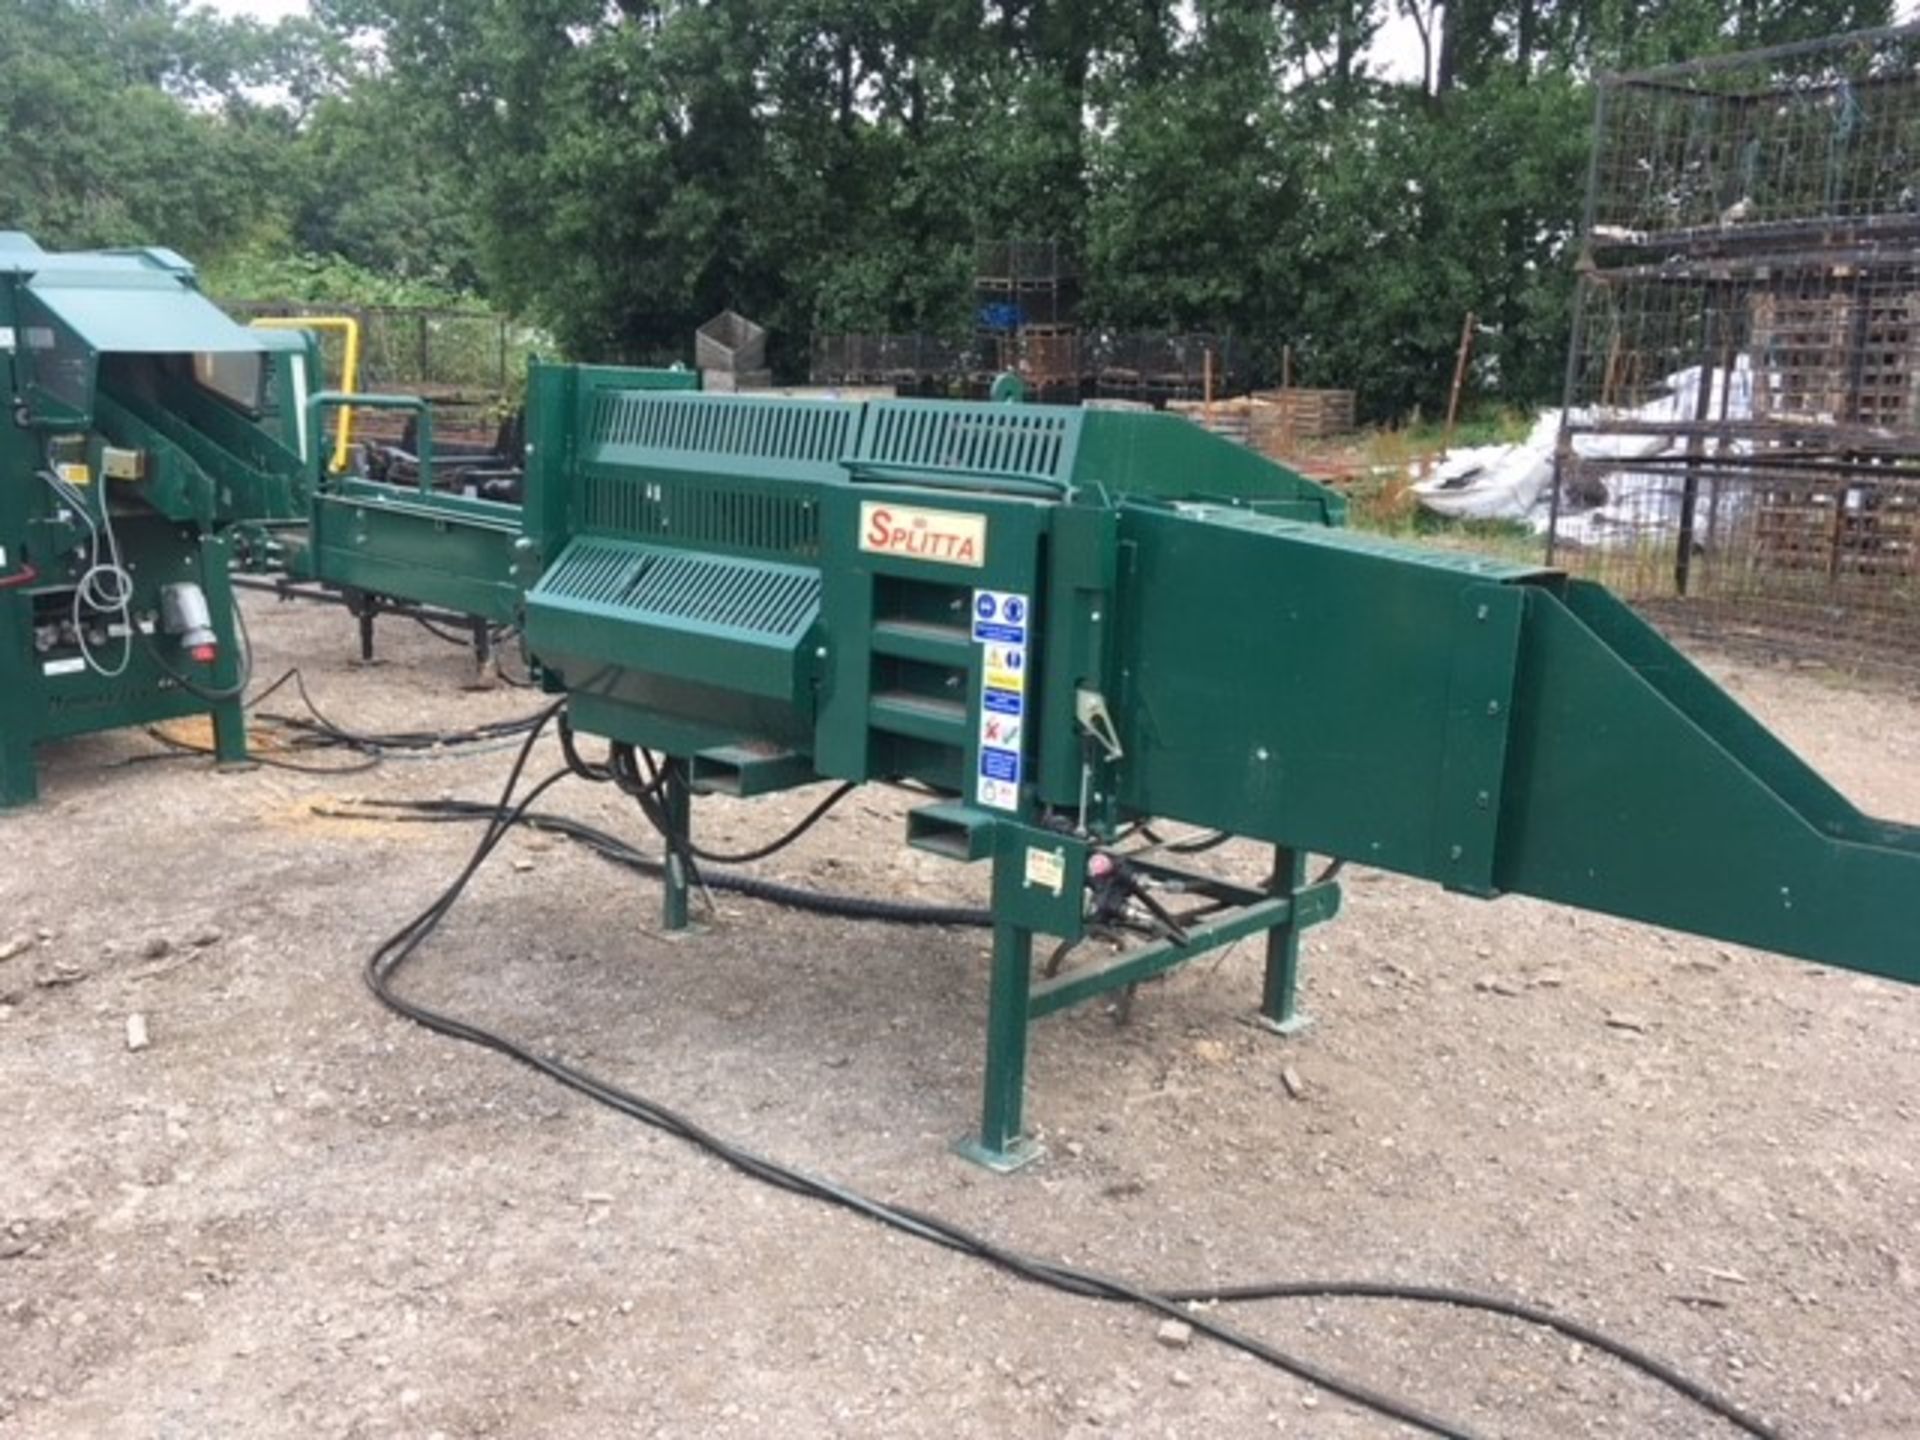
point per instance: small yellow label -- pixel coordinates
(75, 474)
(1047, 869)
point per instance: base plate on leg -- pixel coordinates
(1294, 1024)
(1019, 1153)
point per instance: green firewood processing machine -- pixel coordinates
(1064, 626)
(147, 439)
(151, 447)
(1070, 624)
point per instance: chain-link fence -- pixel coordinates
(471, 363)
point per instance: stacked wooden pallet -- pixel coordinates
(1838, 357)
(1838, 527)
(1274, 422)
(1307, 414)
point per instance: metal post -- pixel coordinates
(20, 681)
(482, 654)
(1585, 276)
(1459, 383)
(1278, 994)
(18, 784)
(229, 716)
(678, 799)
(1696, 450)
(1000, 1145)
(1562, 454)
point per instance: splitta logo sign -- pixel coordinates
(951, 537)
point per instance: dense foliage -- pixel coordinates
(620, 169)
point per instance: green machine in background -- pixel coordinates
(1072, 625)
(152, 449)
(420, 541)
(149, 442)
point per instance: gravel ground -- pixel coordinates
(292, 1214)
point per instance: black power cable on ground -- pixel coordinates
(834, 904)
(390, 957)
(315, 732)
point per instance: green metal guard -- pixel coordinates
(320, 403)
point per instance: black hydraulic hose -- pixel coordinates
(578, 763)
(648, 796)
(1196, 846)
(752, 887)
(1509, 1309)
(177, 748)
(495, 633)
(404, 739)
(393, 953)
(779, 843)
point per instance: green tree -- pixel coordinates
(128, 122)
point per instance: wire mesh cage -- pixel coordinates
(1741, 438)
(731, 344)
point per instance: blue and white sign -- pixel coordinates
(1000, 620)
(1002, 702)
(999, 617)
(1000, 764)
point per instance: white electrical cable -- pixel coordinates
(105, 587)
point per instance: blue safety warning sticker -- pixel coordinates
(1000, 764)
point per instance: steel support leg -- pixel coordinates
(229, 716)
(20, 714)
(364, 611)
(230, 737)
(678, 800)
(1000, 1145)
(482, 655)
(18, 783)
(1279, 1010)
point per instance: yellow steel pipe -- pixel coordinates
(349, 327)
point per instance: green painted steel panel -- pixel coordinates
(1287, 682)
(980, 444)
(130, 309)
(1485, 644)
(709, 619)
(1620, 799)
(762, 438)
(1126, 453)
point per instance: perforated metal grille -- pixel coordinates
(811, 432)
(653, 582)
(695, 512)
(1018, 441)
